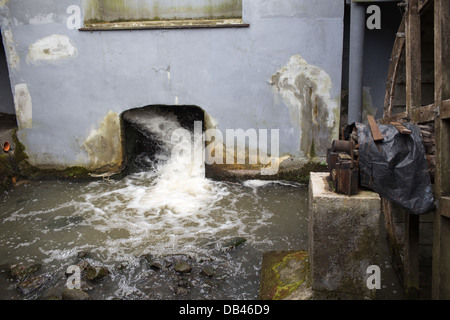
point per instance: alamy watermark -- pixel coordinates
(374, 280)
(374, 20)
(74, 20)
(74, 277)
(242, 147)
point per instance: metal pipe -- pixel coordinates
(356, 61)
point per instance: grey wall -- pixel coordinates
(70, 86)
(6, 98)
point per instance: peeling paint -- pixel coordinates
(305, 90)
(51, 48)
(10, 49)
(104, 145)
(23, 106)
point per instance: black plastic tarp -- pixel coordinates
(396, 168)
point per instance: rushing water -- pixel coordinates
(50, 222)
(169, 211)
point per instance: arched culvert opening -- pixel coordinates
(147, 134)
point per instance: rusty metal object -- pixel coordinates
(344, 173)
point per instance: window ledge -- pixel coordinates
(165, 24)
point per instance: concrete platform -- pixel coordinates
(343, 240)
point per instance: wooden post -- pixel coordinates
(413, 58)
(441, 247)
(411, 263)
(413, 100)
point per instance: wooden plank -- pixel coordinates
(376, 133)
(401, 128)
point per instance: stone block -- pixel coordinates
(285, 276)
(343, 240)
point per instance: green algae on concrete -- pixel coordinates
(285, 276)
(15, 166)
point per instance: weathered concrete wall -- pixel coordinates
(70, 87)
(343, 240)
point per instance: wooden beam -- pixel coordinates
(413, 100)
(395, 118)
(424, 114)
(376, 133)
(423, 4)
(440, 268)
(445, 109)
(394, 66)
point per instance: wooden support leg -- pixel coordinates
(411, 267)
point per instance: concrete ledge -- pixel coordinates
(290, 168)
(343, 239)
(165, 24)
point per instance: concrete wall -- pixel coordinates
(283, 72)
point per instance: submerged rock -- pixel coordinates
(82, 254)
(74, 294)
(232, 244)
(155, 265)
(22, 272)
(182, 267)
(208, 272)
(181, 291)
(96, 273)
(33, 283)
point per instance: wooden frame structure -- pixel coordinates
(418, 90)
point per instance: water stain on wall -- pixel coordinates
(104, 145)
(23, 106)
(10, 49)
(305, 90)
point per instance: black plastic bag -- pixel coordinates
(396, 168)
